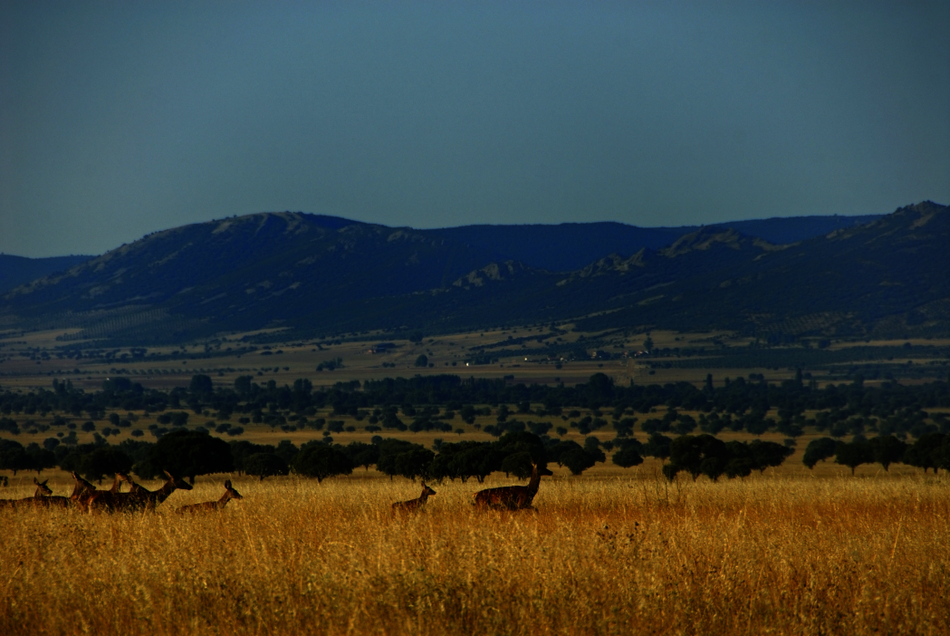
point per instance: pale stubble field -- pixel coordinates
(601, 555)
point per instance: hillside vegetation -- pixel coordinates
(314, 276)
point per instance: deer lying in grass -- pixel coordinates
(512, 497)
(42, 492)
(208, 506)
(414, 505)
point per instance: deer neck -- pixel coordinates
(535, 480)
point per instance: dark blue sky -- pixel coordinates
(122, 118)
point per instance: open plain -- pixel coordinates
(612, 553)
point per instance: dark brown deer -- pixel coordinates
(113, 499)
(141, 498)
(82, 491)
(414, 505)
(209, 506)
(42, 492)
(512, 497)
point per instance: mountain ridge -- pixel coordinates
(315, 274)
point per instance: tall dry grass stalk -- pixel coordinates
(780, 555)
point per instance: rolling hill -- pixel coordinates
(19, 270)
(317, 275)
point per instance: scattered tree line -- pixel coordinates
(192, 453)
(929, 451)
(734, 404)
(432, 403)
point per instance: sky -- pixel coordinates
(118, 119)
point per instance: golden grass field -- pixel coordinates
(792, 551)
(612, 553)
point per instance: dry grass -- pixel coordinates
(779, 554)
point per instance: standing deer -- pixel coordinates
(512, 497)
(207, 506)
(414, 505)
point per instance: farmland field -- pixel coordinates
(31, 360)
(611, 552)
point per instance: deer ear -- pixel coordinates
(168, 473)
(227, 484)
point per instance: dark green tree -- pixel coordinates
(925, 452)
(699, 455)
(104, 461)
(853, 454)
(265, 465)
(320, 460)
(517, 464)
(241, 450)
(818, 450)
(887, 450)
(398, 457)
(657, 446)
(201, 385)
(577, 460)
(242, 385)
(768, 454)
(464, 460)
(13, 456)
(362, 454)
(572, 455)
(286, 450)
(41, 457)
(521, 442)
(627, 457)
(187, 453)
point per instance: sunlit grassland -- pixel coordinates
(602, 555)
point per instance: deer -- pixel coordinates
(113, 499)
(141, 498)
(512, 497)
(414, 505)
(208, 506)
(42, 492)
(82, 491)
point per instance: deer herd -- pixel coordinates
(87, 497)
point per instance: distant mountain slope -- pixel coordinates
(887, 277)
(258, 270)
(318, 275)
(18, 270)
(564, 247)
(570, 246)
(782, 231)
